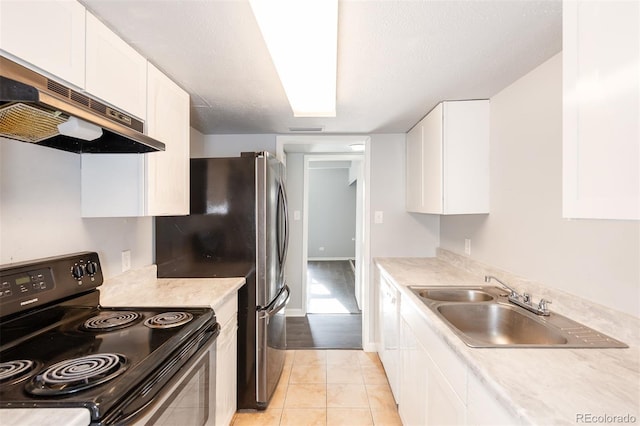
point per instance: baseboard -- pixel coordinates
(294, 312)
(369, 347)
(328, 259)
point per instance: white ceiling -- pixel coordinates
(396, 59)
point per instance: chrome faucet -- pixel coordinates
(526, 302)
(488, 278)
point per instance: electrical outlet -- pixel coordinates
(467, 246)
(321, 248)
(126, 260)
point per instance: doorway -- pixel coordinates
(331, 200)
(329, 297)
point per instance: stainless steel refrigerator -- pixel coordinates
(237, 227)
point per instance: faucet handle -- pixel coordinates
(542, 305)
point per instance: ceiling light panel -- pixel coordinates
(302, 38)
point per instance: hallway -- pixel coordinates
(333, 320)
(331, 287)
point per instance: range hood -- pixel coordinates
(36, 109)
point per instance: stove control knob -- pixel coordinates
(92, 268)
(77, 271)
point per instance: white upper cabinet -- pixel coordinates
(115, 72)
(168, 122)
(152, 184)
(448, 160)
(601, 109)
(49, 35)
(415, 170)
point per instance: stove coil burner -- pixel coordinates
(168, 320)
(111, 320)
(77, 374)
(16, 370)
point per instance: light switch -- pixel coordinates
(378, 217)
(296, 215)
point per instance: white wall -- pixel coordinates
(401, 234)
(40, 212)
(233, 145)
(525, 233)
(295, 199)
(332, 214)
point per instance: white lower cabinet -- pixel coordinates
(390, 334)
(483, 409)
(444, 406)
(432, 393)
(226, 360)
(435, 385)
(413, 379)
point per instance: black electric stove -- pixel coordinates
(60, 348)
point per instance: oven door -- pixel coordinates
(188, 399)
(191, 400)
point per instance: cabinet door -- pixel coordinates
(484, 409)
(49, 35)
(153, 184)
(226, 365)
(601, 106)
(432, 161)
(168, 171)
(226, 361)
(112, 185)
(389, 315)
(448, 160)
(413, 379)
(414, 178)
(116, 73)
(444, 407)
(465, 155)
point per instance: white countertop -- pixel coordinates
(135, 288)
(539, 386)
(45, 416)
(142, 288)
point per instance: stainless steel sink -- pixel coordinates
(454, 295)
(495, 324)
(482, 317)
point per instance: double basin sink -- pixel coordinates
(482, 317)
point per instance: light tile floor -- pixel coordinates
(328, 388)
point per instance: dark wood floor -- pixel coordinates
(329, 330)
(325, 331)
(335, 285)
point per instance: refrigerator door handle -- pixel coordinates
(283, 246)
(276, 304)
